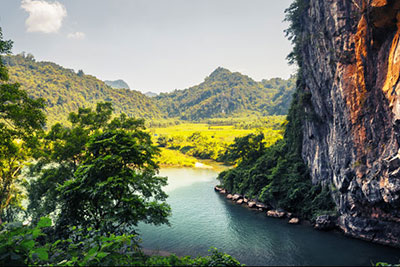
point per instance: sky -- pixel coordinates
(153, 45)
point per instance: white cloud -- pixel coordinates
(46, 17)
(77, 35)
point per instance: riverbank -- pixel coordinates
(324, 222)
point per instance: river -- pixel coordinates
(202, 218)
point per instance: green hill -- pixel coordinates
(224, 94)
(65, 90)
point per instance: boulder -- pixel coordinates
(245, 200)
(294, 221)
(325, 222)
(240, 201)
(251, 204)
(260, 205)
(276, 213)
(236, 197)
(218, 189)
(229, 196)
(223, 191)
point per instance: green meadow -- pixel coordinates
(184, 143)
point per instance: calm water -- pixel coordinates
(202, 219)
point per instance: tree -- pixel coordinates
(116, 184)
(21, 122)
(244, 149)
(99, 172)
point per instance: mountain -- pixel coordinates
(222, 94)
(150, 94)
(226, 93)
(65, 90)
(118, 84)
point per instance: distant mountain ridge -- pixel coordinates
(66, 91)
(150, 94)
(225, 93)
(222, 94)
(117, 84)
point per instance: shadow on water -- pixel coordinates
(202, 219)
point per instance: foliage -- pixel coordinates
(294, 15)
(21, 122)
(66, 91)
(19, 245)
(244, 149)
(32, 245)
(100, 173)
(215, 259)
(224, 94)
(115, 184)
(278, 176)
(386, 264)
(27, 245)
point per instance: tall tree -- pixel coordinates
(98, 173)
(21, 121)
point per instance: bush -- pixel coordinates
(30, 245)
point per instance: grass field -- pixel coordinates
(183, 142)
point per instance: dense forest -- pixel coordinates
(224, 94)
(66, 91)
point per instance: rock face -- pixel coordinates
(351, 80)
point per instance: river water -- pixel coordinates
(202, 218)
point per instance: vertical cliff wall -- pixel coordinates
(351, 69)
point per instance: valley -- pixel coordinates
(226, 170)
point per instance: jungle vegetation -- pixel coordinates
(90, 182)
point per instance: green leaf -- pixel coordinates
(28, 245)
(36, 233)
(101, 255)
(92, 251)
(44, 222)
(41, 253)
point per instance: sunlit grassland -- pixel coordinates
(224, 133)
(172, 158)
(182, 142)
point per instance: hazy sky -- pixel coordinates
(154, 45)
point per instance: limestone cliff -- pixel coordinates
(351, 70)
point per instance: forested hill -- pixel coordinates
(226, 93)
(222, 94)
(65, 90)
